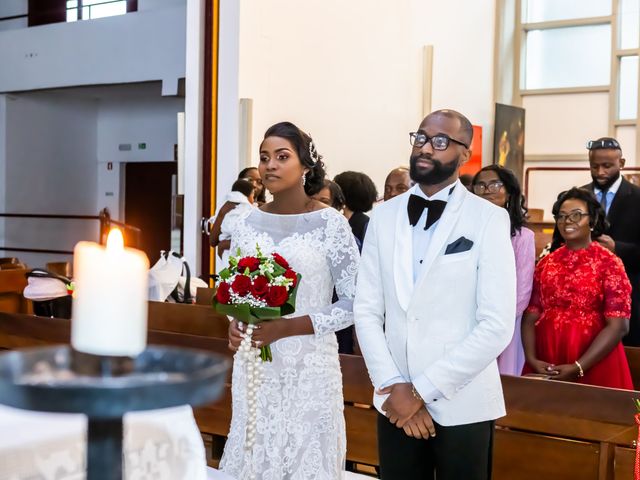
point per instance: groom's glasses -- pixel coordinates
(438, 142)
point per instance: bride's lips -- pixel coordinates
(269, 177)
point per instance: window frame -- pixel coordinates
(518, 92)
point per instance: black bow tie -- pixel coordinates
(416, 206)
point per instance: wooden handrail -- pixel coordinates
(561, 169)
(131, 233)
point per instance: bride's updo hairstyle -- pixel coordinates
(306, 149)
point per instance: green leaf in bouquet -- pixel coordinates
(278, 270)
(224, 274)
(290, 307)
(266, 313)
(242, 312)
(247, 272)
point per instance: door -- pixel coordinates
(147, 203)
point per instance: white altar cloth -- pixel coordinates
(159, 445)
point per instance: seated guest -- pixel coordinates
(330, 194)
(500, 186)
(467, 180)
(252, 175)
(239, 200)
(359, 195)
(581, 302)
(397, 182)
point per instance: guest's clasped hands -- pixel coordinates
(406, 411)
(567, 371)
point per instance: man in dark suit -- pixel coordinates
(621, 202)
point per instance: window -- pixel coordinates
(550, 10)
(567, 57)
(91, 9)
(628, 88)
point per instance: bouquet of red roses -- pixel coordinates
(255, 289)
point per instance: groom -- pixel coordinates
(434, 307)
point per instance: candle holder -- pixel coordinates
(43, 379)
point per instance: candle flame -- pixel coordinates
(115, 241)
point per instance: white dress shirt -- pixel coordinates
(611, 193)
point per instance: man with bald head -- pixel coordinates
(397, 182)
(435, 305)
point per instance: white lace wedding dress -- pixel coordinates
(300, 430)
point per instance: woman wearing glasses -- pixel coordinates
(581, 302)
(500, 186)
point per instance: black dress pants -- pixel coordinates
(461, 452)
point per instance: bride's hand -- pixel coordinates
(268, 332)
(236, 333)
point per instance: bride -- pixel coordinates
(299, 423)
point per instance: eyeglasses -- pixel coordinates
(438, 142)
(573, 217)
(600, 144)
(491, 187)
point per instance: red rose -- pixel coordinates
(241, 285)
(280, 261)
(277, 296)
(252, 263)
(260, 286)
(293, 276)
(222, 294)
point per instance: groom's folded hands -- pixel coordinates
(402, 405)
(420, 425)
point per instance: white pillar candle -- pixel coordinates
(110, 298)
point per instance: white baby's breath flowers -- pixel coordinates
(265, 268)
(282, 281)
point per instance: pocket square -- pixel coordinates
(460, 245)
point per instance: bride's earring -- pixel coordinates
(304, 179)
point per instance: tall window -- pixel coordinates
(90, 9)
(567, 43)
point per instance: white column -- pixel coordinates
(228, 99)
(194, 94)
(228, 118)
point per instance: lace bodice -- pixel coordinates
(319, 246)
(300, 432)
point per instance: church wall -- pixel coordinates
(51, 167)
(136, 47)
(152, 121)
(351, 73)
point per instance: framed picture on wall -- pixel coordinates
(508, 139)
(469, 169)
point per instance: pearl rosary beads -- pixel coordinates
(254, 372)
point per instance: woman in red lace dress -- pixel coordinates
(581, 302)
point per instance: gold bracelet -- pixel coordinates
(580, 370)
(415, 393)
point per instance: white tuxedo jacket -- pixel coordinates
(455, 321)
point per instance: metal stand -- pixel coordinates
(45, 380)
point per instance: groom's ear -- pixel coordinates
(465, 156)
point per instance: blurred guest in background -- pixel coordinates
(500, 186)
(251, 174)
(359, 195)
(331, 194)
(397, 182)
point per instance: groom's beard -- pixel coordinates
(438, 173)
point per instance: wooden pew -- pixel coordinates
(633, 357)
(12, 284)
(553, 430)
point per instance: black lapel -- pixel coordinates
(618, 200)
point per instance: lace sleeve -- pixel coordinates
(343, 258)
